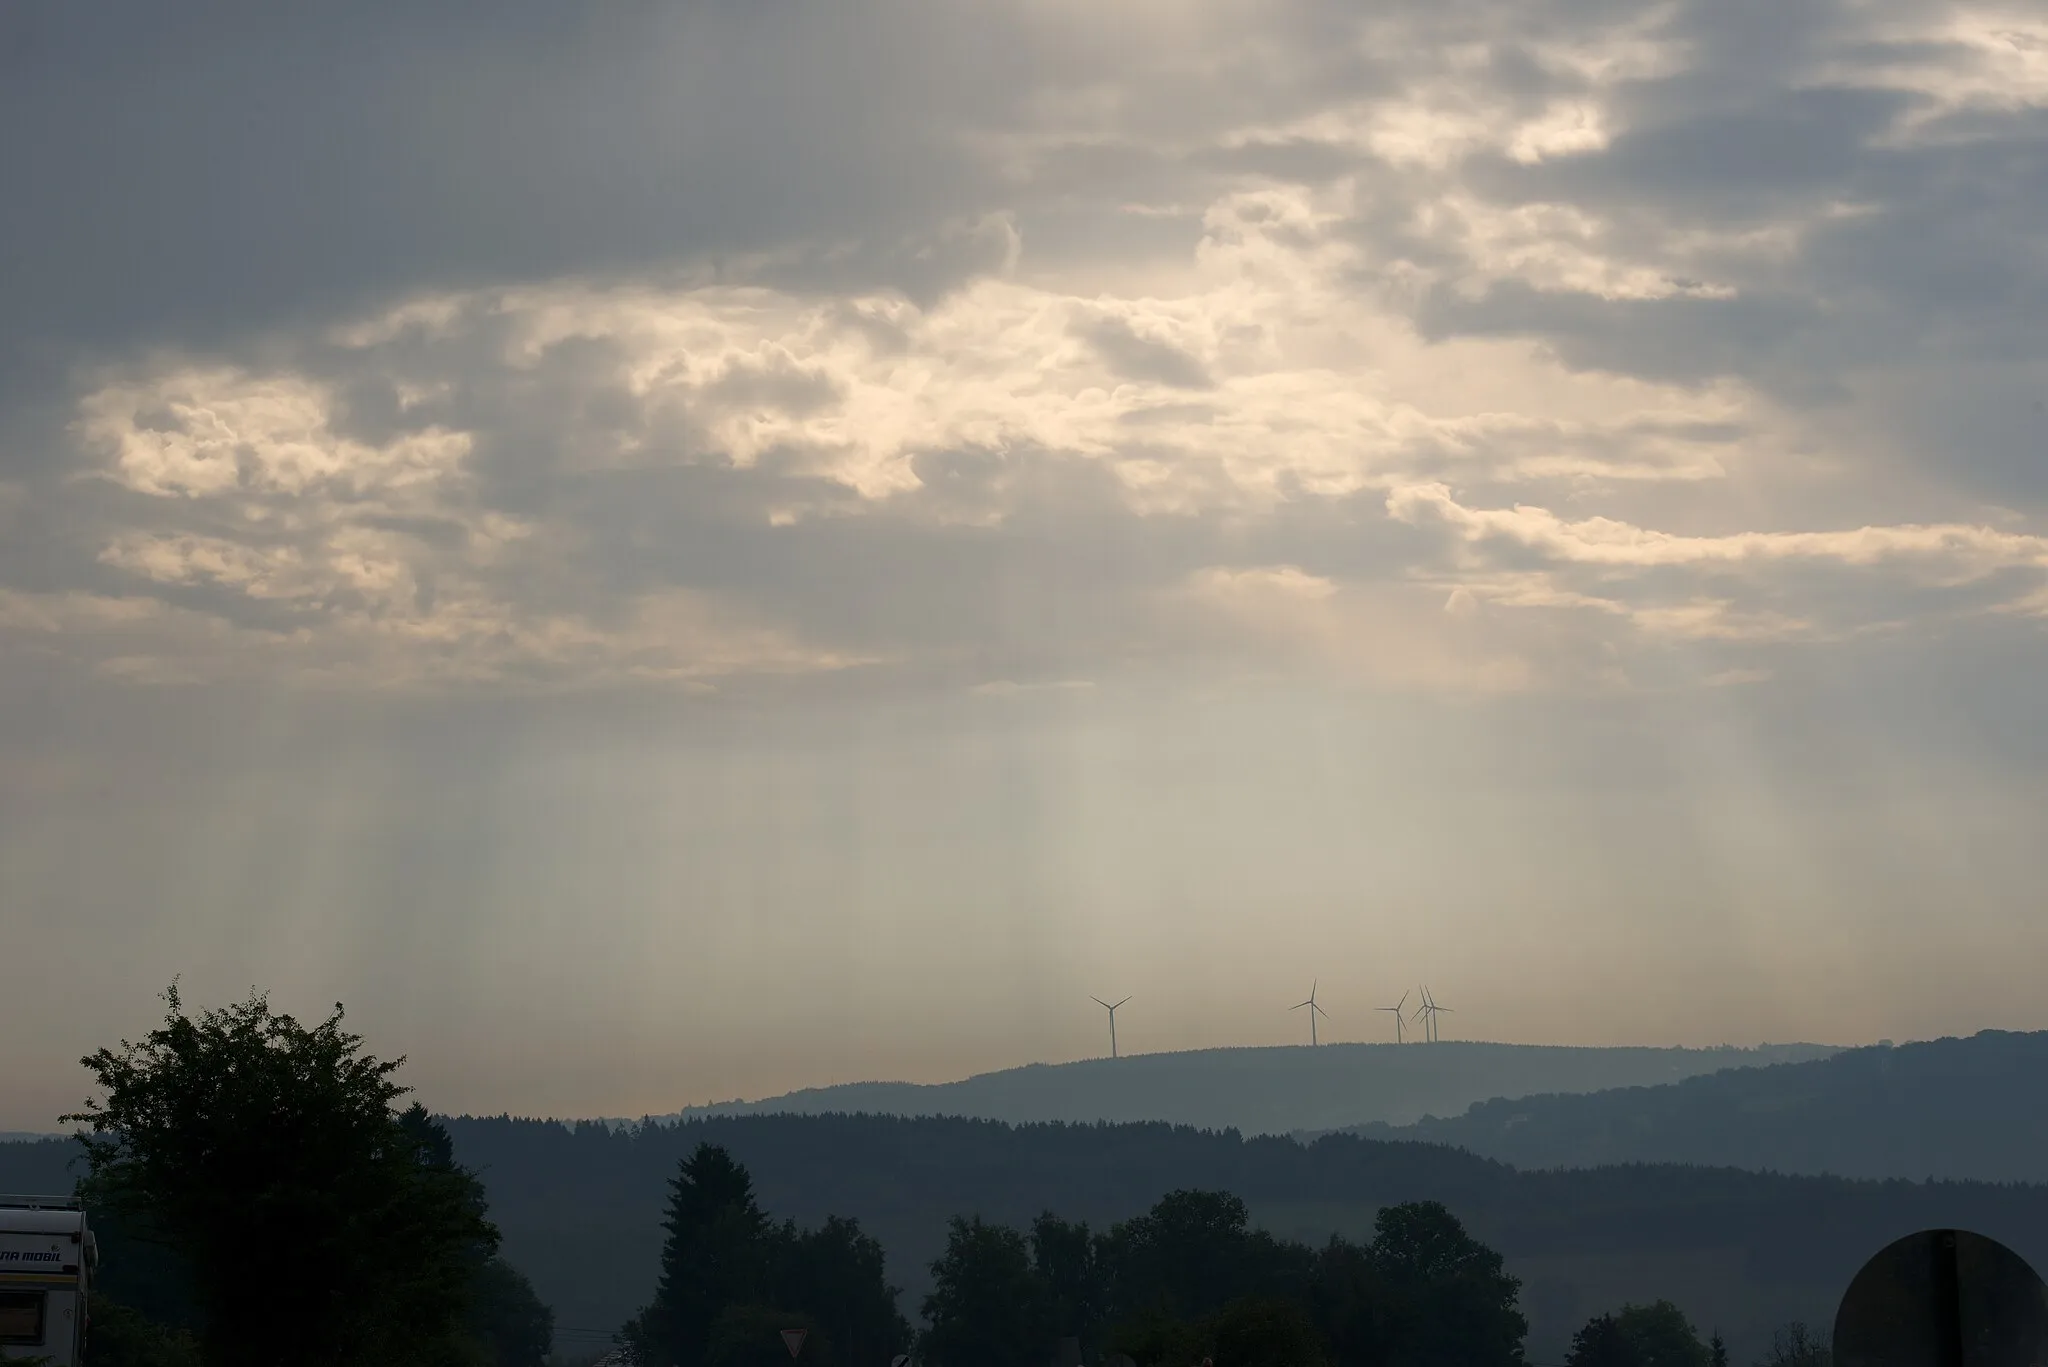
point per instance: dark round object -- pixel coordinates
(1944, 1298)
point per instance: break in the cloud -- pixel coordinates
(1567, 350)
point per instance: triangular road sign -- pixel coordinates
(793, 1339)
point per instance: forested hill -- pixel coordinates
(1271, 1091)
(41, 1166)
(581, 1207)
(1959, 1108)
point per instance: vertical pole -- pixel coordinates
(1948, 1302)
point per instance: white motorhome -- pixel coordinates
(47, 1257)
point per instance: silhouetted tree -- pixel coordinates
(1794, 1345)
(751, 1336)
(506, 1322)
(716, 1256)
(503, 1323)
(122, 1336)
(1445, 1297)
(1070, 1265)
(1717, 1350)
(311, 1226)
(1154, 1338)
(1266, 1332)
(988, 1307)
(1351, 1305)
(1252, 1331)
(1193, 1253)
(835, 1274)
(1601, 1343)
(1662, 1336)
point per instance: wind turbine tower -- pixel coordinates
(1313, 1012)
(1400, 1013)
(1429, 1010)
(1112, 1021)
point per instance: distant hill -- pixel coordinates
(581, 1206)
(1270, 1091)
(1972, 1108)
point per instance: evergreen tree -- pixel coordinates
(716, 1256)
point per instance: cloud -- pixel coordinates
(710, 344)
(1964, 549)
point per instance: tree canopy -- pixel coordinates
(1189, 1280)
(303, 1218)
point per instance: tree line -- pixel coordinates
(1190, 1283)
(581, 1206)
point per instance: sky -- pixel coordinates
(670, 551)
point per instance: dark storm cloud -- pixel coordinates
(185, 173)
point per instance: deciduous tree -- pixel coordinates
(987, 1307)
(313, 1225)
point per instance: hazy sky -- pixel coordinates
(666, 551)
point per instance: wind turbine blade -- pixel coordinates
(1101, 1003)
(1120, 1003)
(1404, 1000)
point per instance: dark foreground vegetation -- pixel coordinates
(580, 1207)
(1187, 1282)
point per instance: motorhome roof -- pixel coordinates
(40, 1202)
(14, 1220)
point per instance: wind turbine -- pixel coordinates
(1313, 1012)
(1398, 1012)
(1112, 1021)
(1429, 1010)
